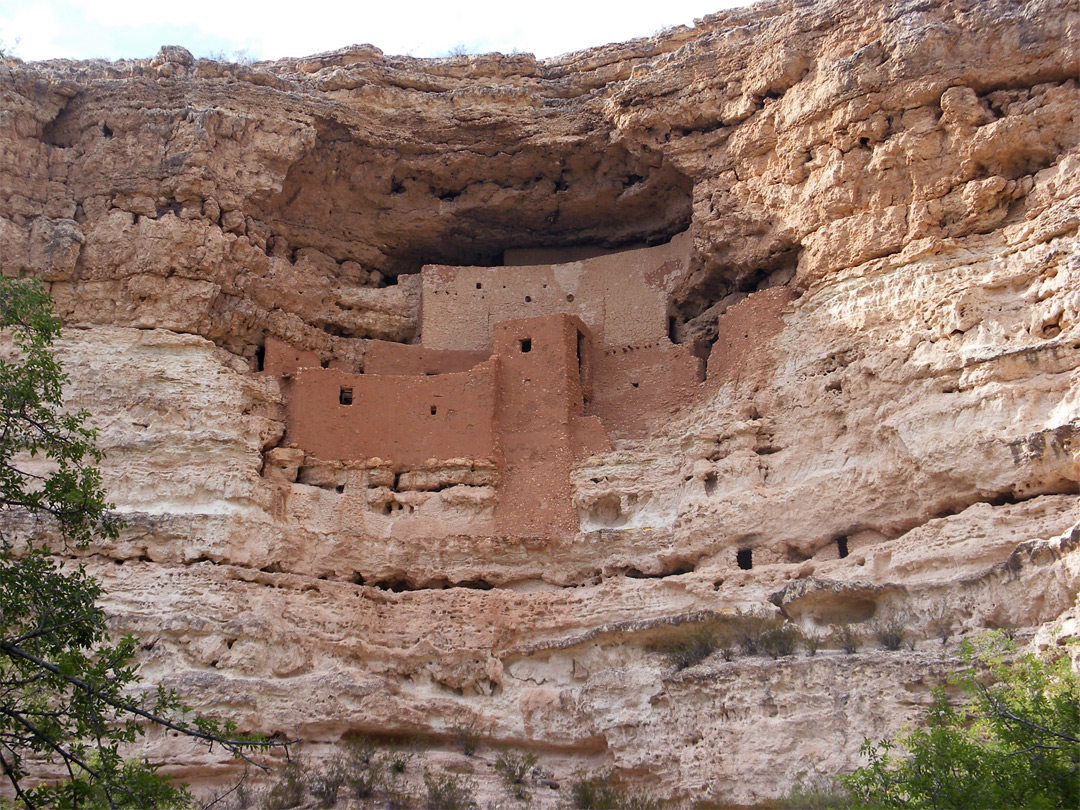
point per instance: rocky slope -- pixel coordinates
(884, 202)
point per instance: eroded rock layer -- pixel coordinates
(882, 272)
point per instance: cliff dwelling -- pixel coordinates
(519, 373)
(451, 397)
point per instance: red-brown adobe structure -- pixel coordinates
(512, 373)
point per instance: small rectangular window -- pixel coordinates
(526, 345)
(345, 397)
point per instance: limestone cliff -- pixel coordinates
(882, 270)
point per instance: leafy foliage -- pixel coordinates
(1015, 743)
(64, 683)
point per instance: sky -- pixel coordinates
(273, 29)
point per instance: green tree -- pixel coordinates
(1014, 743)
(65, 684)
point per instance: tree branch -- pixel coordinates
(235, 747)
(10, 774)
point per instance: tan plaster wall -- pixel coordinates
(620, 297)
(741, 331)
(519, 257)
(391, 416)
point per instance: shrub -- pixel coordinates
(393, 792)
(287, 791)
(325, 783)
(690, 648)
(812, 642)
(1014, 743)
(449, 792)
(890, 632)
(941, 624)
(847, 637)
(514, 769)
(748, 629)
(399, 757)
(467, 736)
(780, 641)
(601, 792)
(362, 768)
(821, 794)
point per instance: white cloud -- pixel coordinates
(273, 28)
(32, 31)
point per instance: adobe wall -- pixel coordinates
(385, 357)
(620, 297)
(639, 389)
(406, 420)
(540, 422)
(279, 357)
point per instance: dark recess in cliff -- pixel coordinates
(468, 200)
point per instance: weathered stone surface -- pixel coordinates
(883, 201)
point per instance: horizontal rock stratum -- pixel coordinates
(772, 316)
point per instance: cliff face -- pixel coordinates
(882, 269)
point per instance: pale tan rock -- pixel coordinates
(882, 204)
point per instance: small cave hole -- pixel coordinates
(106, 131)
(345, 397)
(841, 547)
(260, 357)
(474, 584)
(744, 557)
(528, 299)
(339, 489)
(710, 488)
(526, 345)
(634, 384)
(864, 141)
(118, 562)
(570, 297)
(479, 286)
(358, 578)
(434, 410)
